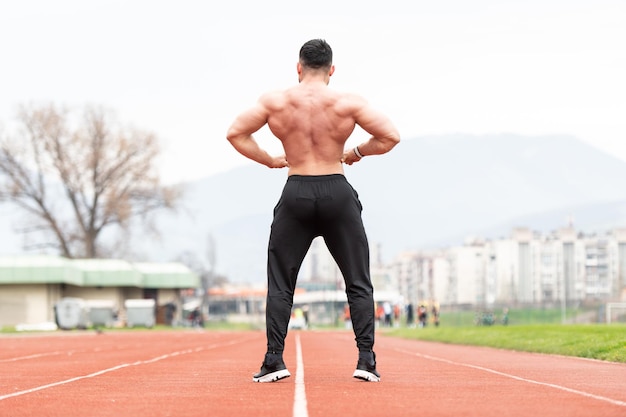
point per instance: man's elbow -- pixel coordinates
(230, 135)
(396, 138)
(233, 136)
(392, 140)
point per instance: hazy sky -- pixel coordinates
(184, 69)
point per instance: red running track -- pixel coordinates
(198, 373)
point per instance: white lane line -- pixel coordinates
(38, 355)
(519, 378)
(299, 402)
(98, 373)
(115, 368)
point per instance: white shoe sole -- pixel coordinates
(273, 376)
(366, 376)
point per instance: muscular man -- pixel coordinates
(313, 123)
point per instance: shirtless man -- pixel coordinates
(313, 123)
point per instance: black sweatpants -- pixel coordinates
(311, 206)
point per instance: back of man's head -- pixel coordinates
(316, 54)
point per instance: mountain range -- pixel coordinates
(428, 192)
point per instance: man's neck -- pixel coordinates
(311, 77)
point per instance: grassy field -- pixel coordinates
(530, 330)
(595, 341)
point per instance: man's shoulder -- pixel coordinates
(354, 98)
(350, 103)
(272, 95)
(272, 99)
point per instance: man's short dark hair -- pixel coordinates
(316, 54)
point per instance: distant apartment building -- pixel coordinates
(618, 247)
(319, 270)
(419, 276)
(526, 268)
(564, 267)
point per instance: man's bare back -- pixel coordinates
(313, 123)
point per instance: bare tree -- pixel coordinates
(77, 174)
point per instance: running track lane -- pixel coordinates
(200, 373)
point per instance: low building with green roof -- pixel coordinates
(31, 286)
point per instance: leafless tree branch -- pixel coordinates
(78, 176)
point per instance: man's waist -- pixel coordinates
(323, 177)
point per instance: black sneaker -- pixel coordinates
(366, 367)
(272, 369)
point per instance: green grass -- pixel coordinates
(520, 316)
(594, 341)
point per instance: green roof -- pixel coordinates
(170, 275)
(108, 273)
(38, 270)
(95, 272)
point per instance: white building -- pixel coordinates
(562, 267)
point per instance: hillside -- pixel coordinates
(428, 192)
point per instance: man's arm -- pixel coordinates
(384, 134)
(240, 136)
